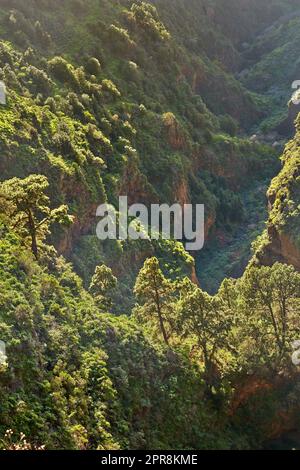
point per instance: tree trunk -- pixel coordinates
(161, 321)
(32, 231)
(163, 330)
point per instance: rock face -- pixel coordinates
(280, 248)
(174, 133)
(285, 420)
(282, 237)
(287, 127)
(289, 252)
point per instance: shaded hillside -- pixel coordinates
(120, 105)
(281, 240)
(114, 345)
(272, 65)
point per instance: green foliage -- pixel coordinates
(271, 297)
(81, 119)
(147, 101)
(284, 213)
(155, 294)
(102, 283)
(146, 18)
(63, 71)
(40, 80)
(119, 40)
(26, 207)
(77, 378)
(207, 319)
(93, 66)
(228, 125)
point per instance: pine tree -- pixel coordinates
(155, 294)
(205, 318)
(270, 301)
(26, 207)
(103, 282)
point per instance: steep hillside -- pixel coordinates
(271, 67)
(115, 344)
(76, 378)
(88, 100)
(281, 240)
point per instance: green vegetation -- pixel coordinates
(110, 345)
(87, 109)
(281, 242)
(102, 283)
(79, 378)
(26, 206)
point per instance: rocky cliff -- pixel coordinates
(281, 240)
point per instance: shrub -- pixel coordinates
(111, 88)
(146, 18)
(51, 103)
(62, 142)
(40, 80)
(80, 78)
(228, 125)
(77, 106)
(95, 135)
(93, 66)
(42, 37)
(119, 39)
(18, 23)
(63, 71)
(6, 56)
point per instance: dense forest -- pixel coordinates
(139, 344)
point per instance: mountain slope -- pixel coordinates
(92, 119)
(157, 101)
(281, 240)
